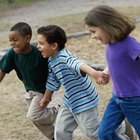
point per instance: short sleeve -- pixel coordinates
(52, 83)
(7, 62)
(133, 48)
(74, 64)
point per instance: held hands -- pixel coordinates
(102, 77)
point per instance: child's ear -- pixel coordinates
(55, 46)
(28, 37)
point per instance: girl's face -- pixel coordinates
(19, 43)
(99, 34)
(46, 49)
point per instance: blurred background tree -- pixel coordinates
(11, 1)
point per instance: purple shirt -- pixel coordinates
(124, 67)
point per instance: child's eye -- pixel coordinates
(92, 31)
(13, 39)
(40, 43)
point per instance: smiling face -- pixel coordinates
(99, 34)
(19, 43)
(46, 49)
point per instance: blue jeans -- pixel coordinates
(117, 109)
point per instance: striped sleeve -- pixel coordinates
(74, 64)
(52, 83)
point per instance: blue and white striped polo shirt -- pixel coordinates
(80, 94)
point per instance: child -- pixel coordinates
(32, 70)
(122, 54)
(80, 98)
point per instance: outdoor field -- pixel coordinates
(68, 14)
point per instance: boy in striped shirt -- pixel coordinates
(80, 98)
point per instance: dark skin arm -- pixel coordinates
(2, 75)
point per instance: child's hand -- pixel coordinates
(102, 78)
(43, 102)
(105, 78)
(98, 77)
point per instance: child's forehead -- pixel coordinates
(41, 36)
(16, 33)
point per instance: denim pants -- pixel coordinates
(117, 109)
(66, 123)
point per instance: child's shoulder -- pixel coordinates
(34, 48)
(65, 55)
(129, 39)
(10, 51)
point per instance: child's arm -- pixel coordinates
(106, 76)
(90, 71)
(106, 71)
(46, 98)
(99, 76)
(2, 74)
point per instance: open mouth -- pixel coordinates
(16, 48)
(43, 54)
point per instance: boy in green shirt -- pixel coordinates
(32, 69)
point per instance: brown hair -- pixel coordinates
(117, 25)
(54, 34)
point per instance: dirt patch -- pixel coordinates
(13, 122)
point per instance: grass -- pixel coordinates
(3, 26)
(130, 11)
(7, 2)
(75, 22)
(71, 23)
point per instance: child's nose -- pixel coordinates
(12, 44)
(38, 46)
(93, 36)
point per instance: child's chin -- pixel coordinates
(17, 51)
(44, 56)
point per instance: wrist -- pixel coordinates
(47, 99)
(95, 74)
(106, 71)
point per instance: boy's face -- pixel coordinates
(46, 49)
(99, 34)
(19, 43)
